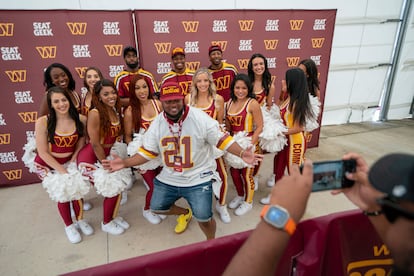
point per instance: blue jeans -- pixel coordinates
(199, 197)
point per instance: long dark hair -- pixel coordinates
(89, 69)
(134, 101)
(52, 119)
(297, 89)
(267, 77)
(312, 78)
(245, 78)
(47, 78)
(105, 121)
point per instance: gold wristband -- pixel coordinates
(241, 153)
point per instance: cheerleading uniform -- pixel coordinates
(242, 178)
(294, 151)
(64, 143)
(222, 79)
(87, 159)
(149, 175)
(221, 166)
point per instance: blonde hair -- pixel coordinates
(212, 91)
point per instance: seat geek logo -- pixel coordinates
(23, 97)
(42, 29)
(8, 157)
(111, 28)
(10, 53)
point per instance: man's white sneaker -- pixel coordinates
(124, 197)
(256, 182)
(235, 202)
(243, 208)
(73, 234)
(271, 181)
(162, 216)
(112, 228)
(121, 222)
(85, 227)
(224, 214)
(151, 217)
(265, 200)
(87, 206)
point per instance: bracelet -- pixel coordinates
(241, 153)
(372, 214)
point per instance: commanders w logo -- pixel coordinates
(270, 44)
(67, 141)
(113, 50)
(13, 174)
(6, 29)
(4, 138)
(235, 120)
(296, 25)
(16, 75)
(163, 48)
(192, 65)
(81, 71)
(221, 43)
(243, 63)
(28, 117)
(292, 61)
(246, 25)
(46, 51)
(190, 26)
(77, 28)
(318, 42)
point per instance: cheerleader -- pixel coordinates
(142, 110)
(105, 129)
(243, 115)
(59, 137)
(203, 96)
(92, 76)
(294, 111)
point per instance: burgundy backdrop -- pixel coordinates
(32, 40)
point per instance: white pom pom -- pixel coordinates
(272, 138)
(30, 154)
(66, 187)
(312, 123)
(120, 149)
(235, 161)
(135, 144)
(110, 184)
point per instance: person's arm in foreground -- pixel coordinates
(261, 252)
(363, 194)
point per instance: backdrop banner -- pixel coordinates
(284, 37)
(32, 40)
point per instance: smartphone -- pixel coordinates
(329, 175)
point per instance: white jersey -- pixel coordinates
(198, 133)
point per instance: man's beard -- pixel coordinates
(132, 65)
(176, 117)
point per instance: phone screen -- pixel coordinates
(327, 175)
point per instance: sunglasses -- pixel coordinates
(392, 210)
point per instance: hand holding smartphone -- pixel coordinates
(329, 175)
